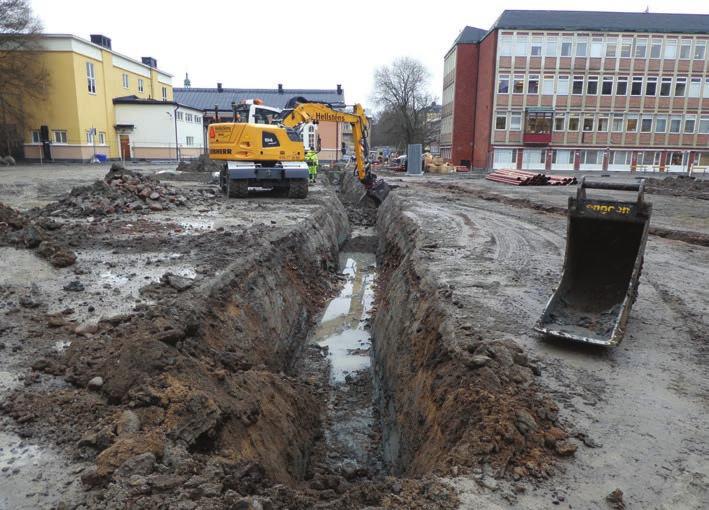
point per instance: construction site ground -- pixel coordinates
(178, 362)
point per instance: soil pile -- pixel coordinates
(201, 164)
(18, 230)
(679, 186)
(121, 191)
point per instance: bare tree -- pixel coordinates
(24, 77)
(401, 91)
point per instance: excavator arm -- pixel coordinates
(319, 112)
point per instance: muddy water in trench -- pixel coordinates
(351, 426)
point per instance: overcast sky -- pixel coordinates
(310, 44)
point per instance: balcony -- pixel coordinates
(537, 126)
(536, 138)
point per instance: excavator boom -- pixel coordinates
(305, 112)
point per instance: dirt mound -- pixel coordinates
(680, 185)
(201, 164)
(121, 191)
(18, 230)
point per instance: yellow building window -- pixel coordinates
(141, 86)
(125, 81)
(164, 93)
(91, 77)
(60, 137)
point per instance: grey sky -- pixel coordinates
(313, 44)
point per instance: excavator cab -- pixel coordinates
(605, 244)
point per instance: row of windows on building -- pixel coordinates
(610, 46)
(188, 117)
(594, 157)
(60, 137)
(663, 86)
(614, 122)
(91, 81)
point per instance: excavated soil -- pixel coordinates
(250, 354)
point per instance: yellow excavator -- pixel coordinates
(273, 156)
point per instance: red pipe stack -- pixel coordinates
(524, 178)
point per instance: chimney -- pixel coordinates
(101, 40)
(280, 88)
(150, 62)
(219, 87)
(339, 89)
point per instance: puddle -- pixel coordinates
(34, 477)
(343, 331)
(342, 327)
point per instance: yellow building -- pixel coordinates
(78, 118)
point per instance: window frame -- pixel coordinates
(587, 127)
(697, 46)
(568, 45)
(562, 85)
(703, 125)
(604, 81)
(102, 138)
(602, 124)
(545, 81)
(573, 117)
(617, 123)
(581, 42)
(685, 122)
(660, 120)
(536, 42)
(518, 78)
(655, 44)
(626, 47)
(512, 117)
(91, 78)
(672, 120)
(551, 43)
(124, 80)
(559, 117)
(666, 81)
(680, 81)
(636, 80)
(643, 120)
(694, 90)
(592, 80)
(651, 80)
(189, 141)
(532, 78)
(503, 78)
(141, 85)
(670, 49)
(574, 82)
(63, 134)
(164, 93)
(640, 43)
(635, 119)
(621, 80)
(36, 136)
(685, 44)
(501, 116)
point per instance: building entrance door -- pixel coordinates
(125, 147)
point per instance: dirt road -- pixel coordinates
(640, 409)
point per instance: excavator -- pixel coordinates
(273, 156)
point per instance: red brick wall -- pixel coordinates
(485, 91)
(466, 82)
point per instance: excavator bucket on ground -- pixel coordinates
(378, 190)
(605, 244)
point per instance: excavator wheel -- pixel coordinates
(237, 188)
(298, 188)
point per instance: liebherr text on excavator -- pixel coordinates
(273, 155)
